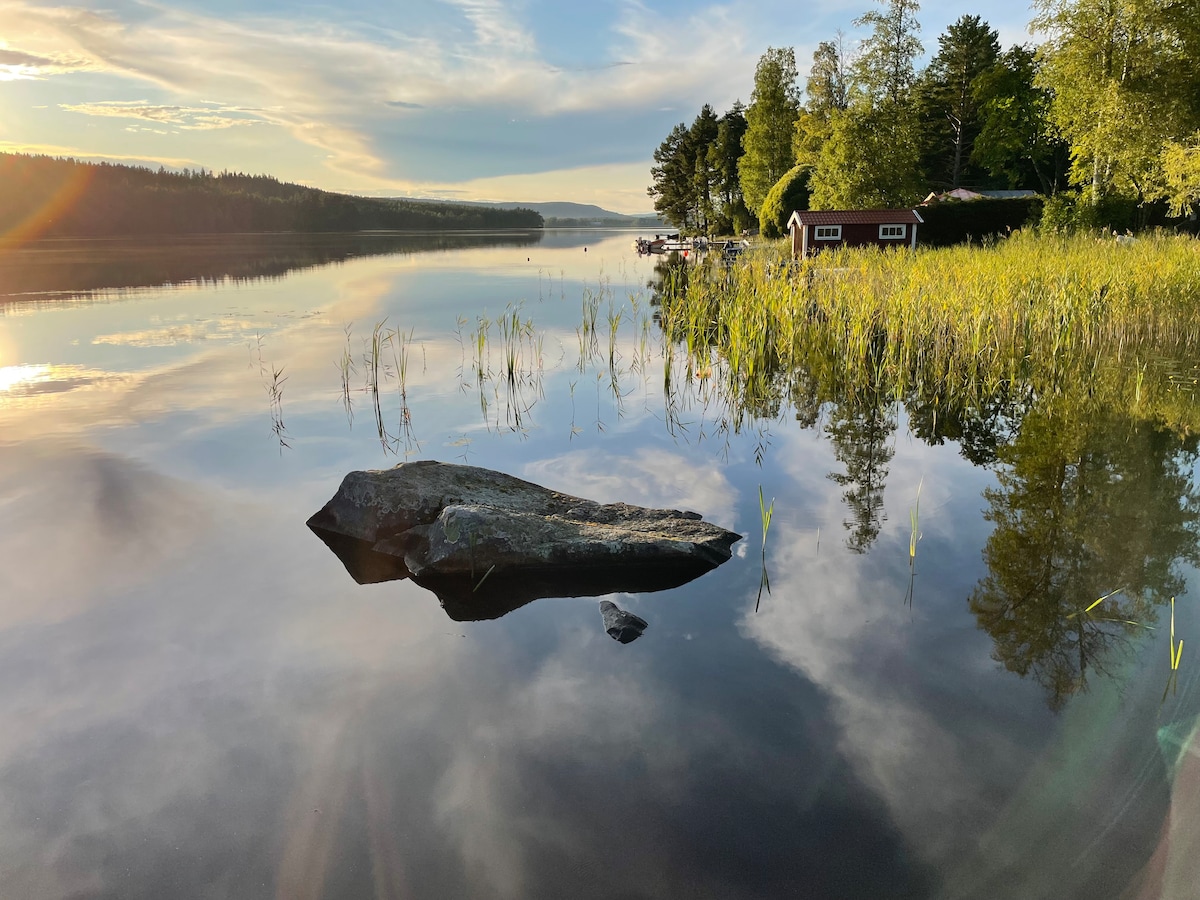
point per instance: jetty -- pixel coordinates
(672, 243)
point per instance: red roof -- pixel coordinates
(857, 217)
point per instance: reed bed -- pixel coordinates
(1051, 314)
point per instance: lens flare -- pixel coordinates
(50, 201)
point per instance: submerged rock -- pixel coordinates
(487, 542)
(621, 625)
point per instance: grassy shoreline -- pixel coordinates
(1073, 316)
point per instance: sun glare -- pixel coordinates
(13, 376)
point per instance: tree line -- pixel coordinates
(1103, 116)
(52, 197)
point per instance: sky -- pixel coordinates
(513, 100)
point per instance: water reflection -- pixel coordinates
(471, 599)
(1083, 508)
(978, 429)
(861, 430)
(202, 703)
(54, 272)
(623, 627)
(1094, 495)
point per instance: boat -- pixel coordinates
(644, 246)
(668, 243)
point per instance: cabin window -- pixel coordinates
(892, 232)
(829, 233)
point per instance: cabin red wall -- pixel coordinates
(856, 236)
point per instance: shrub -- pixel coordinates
(789, 194)
(957, 222)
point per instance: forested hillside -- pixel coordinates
(42, 196)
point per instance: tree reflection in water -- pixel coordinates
(861, 434)
(1094, 493)
(1085, 505)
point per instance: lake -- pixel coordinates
(910, 693)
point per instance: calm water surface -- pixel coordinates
(198, 701)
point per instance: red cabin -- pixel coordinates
(814, 230)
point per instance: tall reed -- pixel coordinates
(1053, 314)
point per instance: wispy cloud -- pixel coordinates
(326, 85)
(191, 118)
(495, 28)
(16, 65)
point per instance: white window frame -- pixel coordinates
(890, 233)
(827, 232)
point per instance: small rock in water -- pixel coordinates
(621, 626)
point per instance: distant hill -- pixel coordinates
(43, 196)
(565, 214)
(562, 209)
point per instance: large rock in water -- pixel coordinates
(487, 542)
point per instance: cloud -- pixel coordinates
(16, 58)
(202, 118)
(17, 65)
(650, 476)
(494, 28)
(94, 522)
(325, 84)
(923, 740)
(182, 333)
(29, 382)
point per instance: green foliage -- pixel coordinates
(868, 154)
(1017, 141)
(828, 94)
(1095, 342)
(827, 88)
(673, 172)
(703, 135)
(1123, 86)
(1181, 169)
(1070, 211)
(696, 185)
(789, 194)
(975, 220)
(731, 215)
(1110, 103)
(947, 102)
(809, 136)
(1065, 535)
(1061, 317)
(1060, 213)
(884, 69)
(770, 118)
(869, 161)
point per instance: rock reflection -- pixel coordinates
(470, 600)
(1083, 507)
(621, 626)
